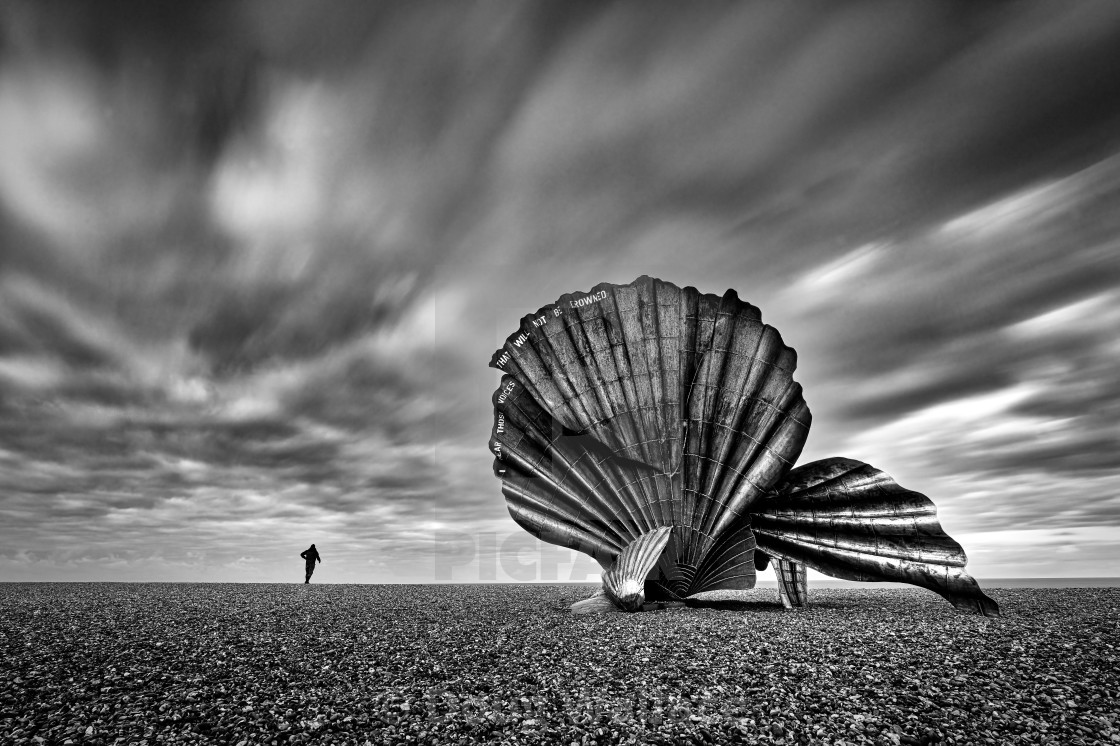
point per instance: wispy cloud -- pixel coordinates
(254, 257)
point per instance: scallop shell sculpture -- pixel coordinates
(656, 429)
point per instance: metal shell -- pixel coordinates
(625, 582)
(850, 520)
(655, 429)
(641, 406)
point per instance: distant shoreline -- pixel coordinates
(761, 584)
(836, 583)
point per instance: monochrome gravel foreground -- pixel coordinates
(278, 664)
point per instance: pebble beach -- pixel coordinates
(103, 663)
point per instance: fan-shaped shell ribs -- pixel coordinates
(642, 406)
(655, 428)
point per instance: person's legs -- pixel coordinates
(310, 569)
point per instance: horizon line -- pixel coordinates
(1103, 580)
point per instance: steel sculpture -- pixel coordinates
(656, 428)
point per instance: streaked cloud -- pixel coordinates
(254, 258)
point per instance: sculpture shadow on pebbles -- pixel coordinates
(656, 429)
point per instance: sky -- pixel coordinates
(255, 258)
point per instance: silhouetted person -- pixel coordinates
(311, 555)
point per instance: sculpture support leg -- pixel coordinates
(793, 585)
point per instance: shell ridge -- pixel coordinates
(525, 416)
(820, 473)
(715, 431)
(729, 565)
(600, 357)
(728, 569)
(754, 331)
(578, 453)
(724, 400)
(526, 364)
(711, 365)
(692, 436)
(669, 412)
(931, 552)
(781, 440)
(573, 339)
(563, 374)
(778, 423)
(776, 393)
(886, 500)
(569, 343)
(746, 444)
(836, 563)
(583, 346)
(566, 498)
(744, 535)
(621, 355)
(688, 308)
(622, 481)
(652, 335)
(625, 360)
(524, 354)
(858, 484)
(550, 523)
(885, 516)
(760, 367)
(759, 458)
(916, 534)
(536, 524)
(557, 373)
(694, 364)
(585, 349)
(672, 572)
(625, 477)
(621, 384)
(634, 351)
(649, 307)
(833, 480)
(665, 312)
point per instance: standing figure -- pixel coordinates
(311, 555)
